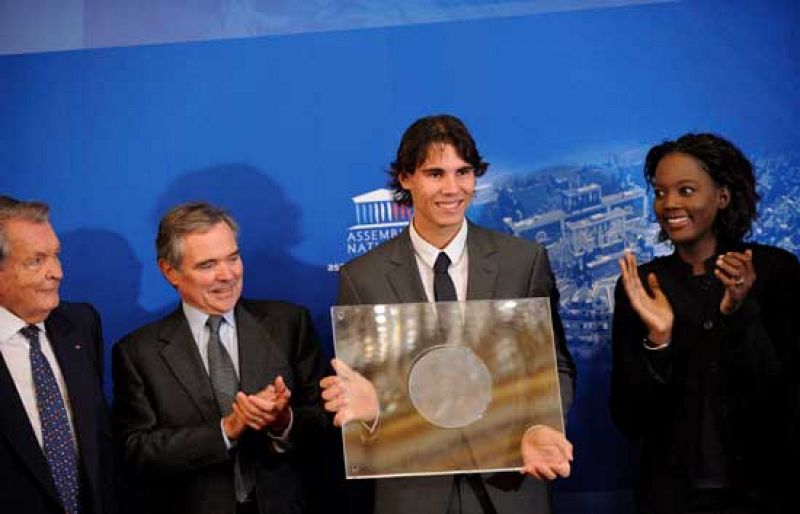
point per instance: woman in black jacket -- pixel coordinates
(704, 348)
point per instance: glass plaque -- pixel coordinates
(458, 384)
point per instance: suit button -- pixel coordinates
(713, 367)
(708, 324)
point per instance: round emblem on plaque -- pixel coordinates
(450, 386)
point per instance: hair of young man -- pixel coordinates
(184, 219)
(728, 167)
(417, 141)
(13, 209)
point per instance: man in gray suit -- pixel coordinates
(442, 256)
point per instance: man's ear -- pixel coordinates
(169, 272)
(723, 197)
(403, 177)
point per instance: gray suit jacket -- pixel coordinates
(500, 266)
(168, 422)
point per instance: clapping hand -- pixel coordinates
(266, 408)
(735, 271)
(653, 308)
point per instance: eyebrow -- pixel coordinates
(434, 168)
(681, 182)
(208, 261)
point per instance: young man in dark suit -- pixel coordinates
(215, 402)
(56, 451)
(435, 172)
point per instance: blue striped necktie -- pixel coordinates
(59, 448)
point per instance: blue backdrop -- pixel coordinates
(289, 131)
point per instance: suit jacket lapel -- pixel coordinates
(404, 273)
(483, 267)
(183, 358)
(80, 377)
(16, 428)
(260, 362)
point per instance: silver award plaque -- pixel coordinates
(457, 384)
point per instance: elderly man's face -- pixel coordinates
(31, 273)
(210, 275)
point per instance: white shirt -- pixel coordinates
(15, 349)
(426, 255)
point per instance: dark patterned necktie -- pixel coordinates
(226, 384)
(443, 288)
(59, 448)
(220, 368)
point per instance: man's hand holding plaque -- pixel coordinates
(546, 453)
(350, 396)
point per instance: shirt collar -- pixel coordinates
(10, 324)
(197, 319)
(428, 253)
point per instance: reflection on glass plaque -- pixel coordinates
(458, 383)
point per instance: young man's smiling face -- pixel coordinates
(441, 189)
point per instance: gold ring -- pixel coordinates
(739, 281)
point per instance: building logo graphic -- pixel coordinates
(378, 219)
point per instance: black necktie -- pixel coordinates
(445, 291)
(59, 448)
(443, 288)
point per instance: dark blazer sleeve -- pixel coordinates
(543, 283)
(640, 378)
(159, 430)
(304, 356)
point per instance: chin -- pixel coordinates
(224, 306)
(451, 221)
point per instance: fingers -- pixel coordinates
(341, 418)
(258, 403)
(250, 409)
(332, 391)
(630, 276)
(546, 453)
(334, 399)
(735, 268)
(280, 386)
(730, 265)
(548, 471)
(329, 381)
(567, 449)
(655, 287)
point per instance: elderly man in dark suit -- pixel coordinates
(214, 403)
(56, 452)
(440, 257)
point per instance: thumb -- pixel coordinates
(655, 287)
(341, 368)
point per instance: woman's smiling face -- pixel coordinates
(687, 201)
